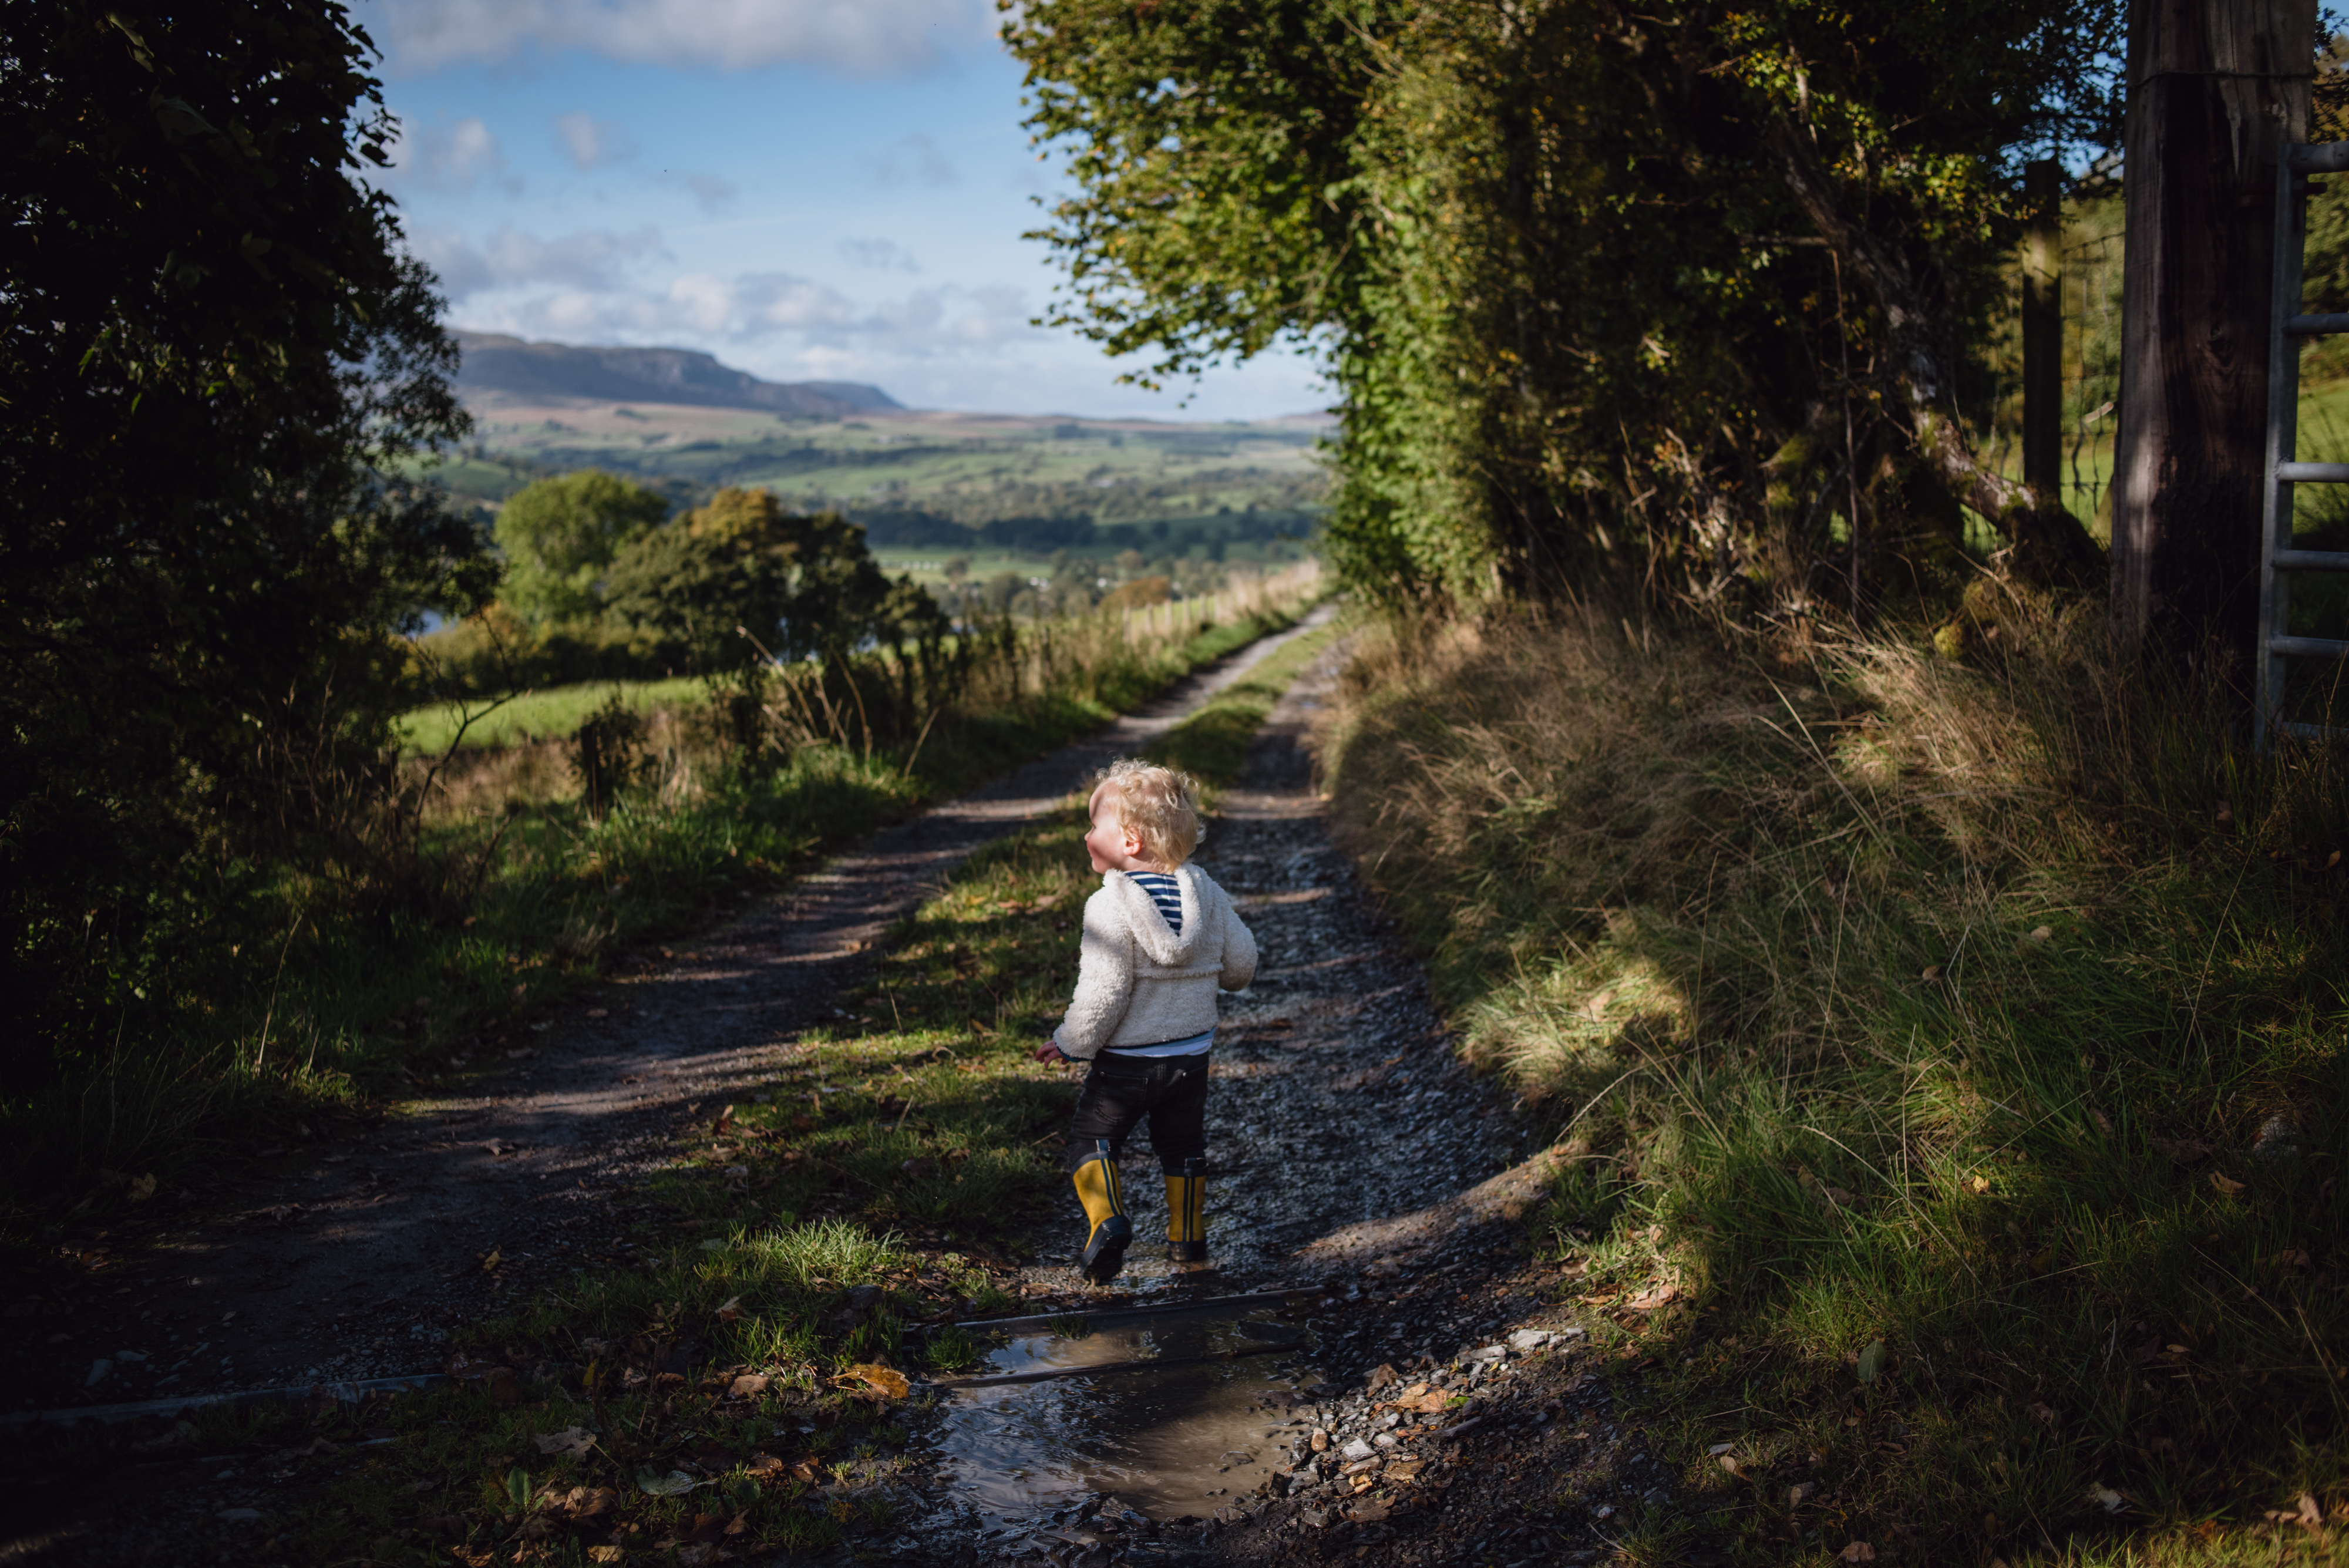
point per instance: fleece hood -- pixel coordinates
(1147, 922)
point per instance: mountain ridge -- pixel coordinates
(495, 362)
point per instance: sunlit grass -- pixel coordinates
(1970, 1011)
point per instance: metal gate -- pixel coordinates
(2278, 559)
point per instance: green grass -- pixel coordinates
(558, 711)
(910, 1147)
(1883, 1003)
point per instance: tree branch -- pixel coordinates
(2049, 544)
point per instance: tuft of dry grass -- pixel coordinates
(1991, 1010)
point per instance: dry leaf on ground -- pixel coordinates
(881, 1382)
(571, 1442)
(748, 1385)
(1857, 1552)
(731, 1311)
(1665, 1288)
(2225, 1183)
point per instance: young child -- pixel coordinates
(1160, 938)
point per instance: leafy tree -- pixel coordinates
(215, 363)
(803, 587)
(1599, 283)
(560, 535)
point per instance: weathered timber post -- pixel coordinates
(2043, 332)
(2214, 86)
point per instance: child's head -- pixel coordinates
(1144, 818)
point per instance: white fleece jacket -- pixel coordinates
(1138, 983)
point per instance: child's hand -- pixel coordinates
(1049, 1052)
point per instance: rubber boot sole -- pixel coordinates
(1105, 1254)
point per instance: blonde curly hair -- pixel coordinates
(1159, 805)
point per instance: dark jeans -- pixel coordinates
(1172, 1091)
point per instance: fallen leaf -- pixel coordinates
(2310, 1516)
(1728, 1462)
(142, 1189)
(1666, 1288)
(677, 1483)
(747, 1386)
(490, 1261)
(2039, 933)
(1980, 1184)
(731, 1311)
(1381, 1376)
(589, 1502)
(1931, 971)
(1801, 1492)
(882, 1382)
(2225, 1184)
(2106, 1498)
(1857, 1552)
(571, 1442)
(2043, 1413)
(761, 1466)
(1870, 1365)
(608, 1555)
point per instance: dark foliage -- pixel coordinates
(211, 351)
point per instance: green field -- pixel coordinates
(1237, 480)
(558, 711)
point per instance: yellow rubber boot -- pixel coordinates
(1111, 1232)
(1187, 1214)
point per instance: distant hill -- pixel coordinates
(495, 363)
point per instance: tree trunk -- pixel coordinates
(2214, 87)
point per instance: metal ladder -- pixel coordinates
(2277, 557)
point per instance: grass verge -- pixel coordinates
(737, 1350)
(1949, 1060)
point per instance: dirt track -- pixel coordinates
(352, 1260)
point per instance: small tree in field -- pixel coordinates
(560, 535)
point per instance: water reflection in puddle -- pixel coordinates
(1167, 1441)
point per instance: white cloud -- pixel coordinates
(591, 260)
(911, 160)
(712, 193)
(877, 255)
(443, 157)
(591, 143)
(573, 288)
(867, 37)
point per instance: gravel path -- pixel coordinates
(352, 1259)
(1340, 1128)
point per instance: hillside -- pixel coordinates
(494, 363)
(931, 482)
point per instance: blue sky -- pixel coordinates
(827, 190)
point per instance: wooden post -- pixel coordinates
(2043, 332)
(2214, 86)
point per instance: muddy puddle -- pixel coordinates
(1166, 1414)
